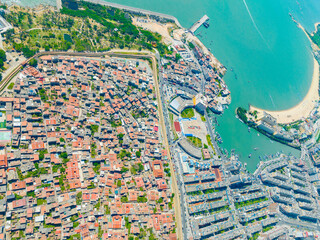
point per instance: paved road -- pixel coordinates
(178, 181)
(166, 135)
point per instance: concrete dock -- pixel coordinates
(198, 24)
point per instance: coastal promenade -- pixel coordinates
(304, 108)
(137, 10)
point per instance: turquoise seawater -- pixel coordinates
(270, 57)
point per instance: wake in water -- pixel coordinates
(272, 101)
(254, 23)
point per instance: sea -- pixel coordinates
(269, 59)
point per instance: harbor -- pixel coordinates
(203, 21)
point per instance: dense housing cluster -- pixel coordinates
(191, 71)
(294, 187)
(86, 156)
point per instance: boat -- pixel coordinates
(258, 134)
(256, 148)
(206, 24)
(248, 129)
(249, 155)
(219, 139)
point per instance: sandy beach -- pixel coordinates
(304, 108)
(316, 26)
(154, 26)
(163, 29)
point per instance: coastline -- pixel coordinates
(313, 45)
(316, 26)
(136, 10)
(304, 108)
(163, 30)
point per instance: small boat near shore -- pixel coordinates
(219, 139)
(206, 24)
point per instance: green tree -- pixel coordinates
(119, 183)
(3, 56)
(33, 62)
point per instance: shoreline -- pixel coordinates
(137, 10)
(302, 109)
(316, 27)
(308, 103)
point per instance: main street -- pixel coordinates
(176, 162)
(166, 134)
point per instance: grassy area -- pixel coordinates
(210, 143)
(318, 138)
(41, 201)
(250, 202)
(84, 27)
(267, 228)
(195, 141)
(187, 113)
(11, 86)
(172, 126)
(3, 124)
(203, 119)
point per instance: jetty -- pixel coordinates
(195, 26)
(137, 11)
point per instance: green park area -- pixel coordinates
(79, 26)
(195, 141)
(3, 124)
(187, 113)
